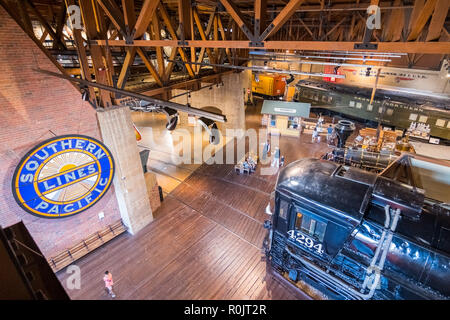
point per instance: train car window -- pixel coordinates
(413, 116)
(423, 119)
(440, 122)
(316, 97)
(389, 111)
(351, 103)
(359, 105)
(310, 226)
(324, 98)
(380, 109)
(292, 123)
(330, 99)
(448, 124)
(369, 107)
(273, 120)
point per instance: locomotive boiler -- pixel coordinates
(353, 234)
(358, 157)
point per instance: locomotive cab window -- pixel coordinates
(310, 226)
(284, 207)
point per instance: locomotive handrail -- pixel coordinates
(320, 273)
(380, 245)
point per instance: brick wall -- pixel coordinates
(32, 105)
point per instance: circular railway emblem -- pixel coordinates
(63, 176)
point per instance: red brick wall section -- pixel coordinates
(32, 105)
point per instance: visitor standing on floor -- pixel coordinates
(276, 158)
(266, 149)
(109, 283)
(315, 135)
(329, 133)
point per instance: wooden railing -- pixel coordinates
(82, 248)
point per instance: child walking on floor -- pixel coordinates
(109, 283)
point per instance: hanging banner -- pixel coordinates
(63, 176)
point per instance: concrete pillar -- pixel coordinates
(152, 190)
(229, 98)
(118, 135)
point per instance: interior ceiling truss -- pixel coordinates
(202, 32)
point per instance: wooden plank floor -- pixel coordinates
(205, 241)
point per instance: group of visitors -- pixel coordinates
(249, 164)
(316, 133)
(278, 159)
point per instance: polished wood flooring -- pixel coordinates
(205, 241)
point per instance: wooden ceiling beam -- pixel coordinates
(224, 37)
(438, 20)
(149, 66)
(281, 19)
(207, 32)
(159, 50)
(173, 34)
(307, 28)
(46, 25)
(202, 34)
(129, 15)
(127, 63)
(185, 19)
(421, 20)
(92, 29)
(114, 14)
(406, 47)
(145, 16)
(335, 27)
(237, 16)
(260, 17)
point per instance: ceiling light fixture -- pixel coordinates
(318, 57)
(263, 69)
(341, 64)
(367, 54)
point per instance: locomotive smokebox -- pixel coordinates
(344, 129)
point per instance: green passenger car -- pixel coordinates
(400, 109)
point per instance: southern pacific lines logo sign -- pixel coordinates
(63, 176)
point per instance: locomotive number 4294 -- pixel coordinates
(305, 241)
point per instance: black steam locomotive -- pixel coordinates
(353, 234)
